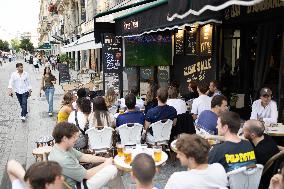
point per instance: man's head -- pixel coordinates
(265, 95)
(19, 67)
(213, 86)
(173, 92)
(219, 103)
(202, 88)
(192, 150)
(66, 134)
(253, 129)
(162, 94)
(228, 122)
(134, 91)
(130, 101)
(45, 175)
(84, 105)
(192, 86)
(81, 93)
(143, 169)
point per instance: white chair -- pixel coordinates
(161, 132)
(112, 110)
(245, 177)
(100, 141)
(129, 133)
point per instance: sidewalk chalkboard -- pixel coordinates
(64, 75)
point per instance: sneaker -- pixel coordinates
(23, 118)
(50, 114)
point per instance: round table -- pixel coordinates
(121, 165)
(275, 131)
(42, 153)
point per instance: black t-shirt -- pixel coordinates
(265, 149)
(232, 155)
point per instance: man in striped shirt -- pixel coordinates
(21, 84)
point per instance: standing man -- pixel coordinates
(21, 84)
(213, 89)
(265, 109)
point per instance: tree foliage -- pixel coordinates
(15, 43)
(27, 45)
(4, 46)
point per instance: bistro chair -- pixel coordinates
(100, 140)
(130, 133)
(247, 177)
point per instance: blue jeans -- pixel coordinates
(23, 100)
(49, 92)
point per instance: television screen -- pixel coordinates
(148, 50)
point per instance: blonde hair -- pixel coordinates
(110, 97)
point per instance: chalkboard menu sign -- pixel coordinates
(190, 41)
(163, 76)
(179, 42)
(198, 68)
(146, 74)
(206, 40)
(64, 75)
(112, 62)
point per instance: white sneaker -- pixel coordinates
(23, 118)
(50, 114)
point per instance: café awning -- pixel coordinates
(44, 47)
(84, 43)
(183, 8)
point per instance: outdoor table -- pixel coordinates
(42, 153)
(275, 131)
(121, 165)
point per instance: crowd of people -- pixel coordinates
(207, 166)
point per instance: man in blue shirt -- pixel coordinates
(162, 111)
(131, 115)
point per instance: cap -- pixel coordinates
(265, 91)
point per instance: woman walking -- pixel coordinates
(47, 85)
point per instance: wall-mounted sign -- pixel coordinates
(131, 25)
(112, 62)
(179, 42)
(190, 41)
(163, 75)
(206, 39)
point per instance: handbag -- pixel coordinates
(82, 141)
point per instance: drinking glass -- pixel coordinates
(157, 153)
(120, 148)
(127, 155)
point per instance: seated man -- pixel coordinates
(192, 151)
(160, 112)
(207, 120)
(213, 89)
(139, 102)
(143, 171)
(45, 175)
(264, 145)
(265, 109)
(131, 115)
(65, 136)
(203, 102)
(234, 152)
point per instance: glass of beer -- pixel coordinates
(119, 148)
(157, 153)
(121, 111)
(127, 155)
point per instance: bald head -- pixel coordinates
(254, 127)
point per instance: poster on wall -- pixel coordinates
(190, 41)
(198, 68)
(206, 39)
(179, 42)
(112, 62)
(163, 76)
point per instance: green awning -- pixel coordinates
(45, 46)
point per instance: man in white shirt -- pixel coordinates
(139, 102)
(21, 84)
(143, 171)
(265, 109)
(203, 102)
(192, 151)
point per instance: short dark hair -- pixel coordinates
(143, 168)
(162, 94)
(41, 173)
(217, 100)
(130, 101)
(134, 91)
(203, 87)
(193, 85)
(231, 119)
(173, 92)
(82, 93)
(18, 65)
(64, 129)
(85, 105)
(215, 83)
(194, 146)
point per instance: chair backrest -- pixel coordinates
(162, 130)
(245, 177)
(129, 133)
(100, 139)
(112, 110)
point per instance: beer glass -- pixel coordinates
(157, 153)
(119, 148)
(127, 155)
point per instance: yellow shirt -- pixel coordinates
(62, 116)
